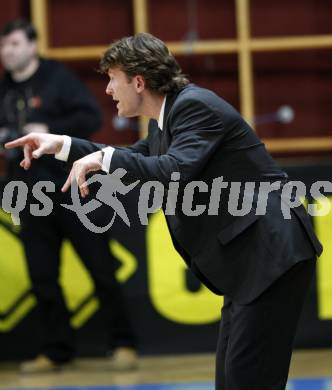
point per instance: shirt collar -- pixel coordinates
(161, 115)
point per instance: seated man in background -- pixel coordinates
(41, 95)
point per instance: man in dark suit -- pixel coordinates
(261, 261)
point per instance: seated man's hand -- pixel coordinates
(90, 163)
(36, 145)
(35, 128)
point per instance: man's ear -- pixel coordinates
(139, 83)
(34, 47)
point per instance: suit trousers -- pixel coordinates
(255, 340)
(42, 238)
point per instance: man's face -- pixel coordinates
(16, 51)
(126, 92)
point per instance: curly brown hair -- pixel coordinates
(144, 54)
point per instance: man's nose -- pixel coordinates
(109, 90)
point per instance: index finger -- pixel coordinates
(17, 142)
(68, 182)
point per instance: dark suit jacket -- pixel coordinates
(204, 138)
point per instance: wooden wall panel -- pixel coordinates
(13, 9)
(169, 19)
(216, 72)
(86, 22)
(302, 80)
(295, 17)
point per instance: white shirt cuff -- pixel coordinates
(106, 163)
(64, 152)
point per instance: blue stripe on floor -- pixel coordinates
(298, 384)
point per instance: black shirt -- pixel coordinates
(54, 96)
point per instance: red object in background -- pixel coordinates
(35, 102)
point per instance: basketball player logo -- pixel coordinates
(111, 184)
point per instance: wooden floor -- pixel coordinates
(156, 369)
